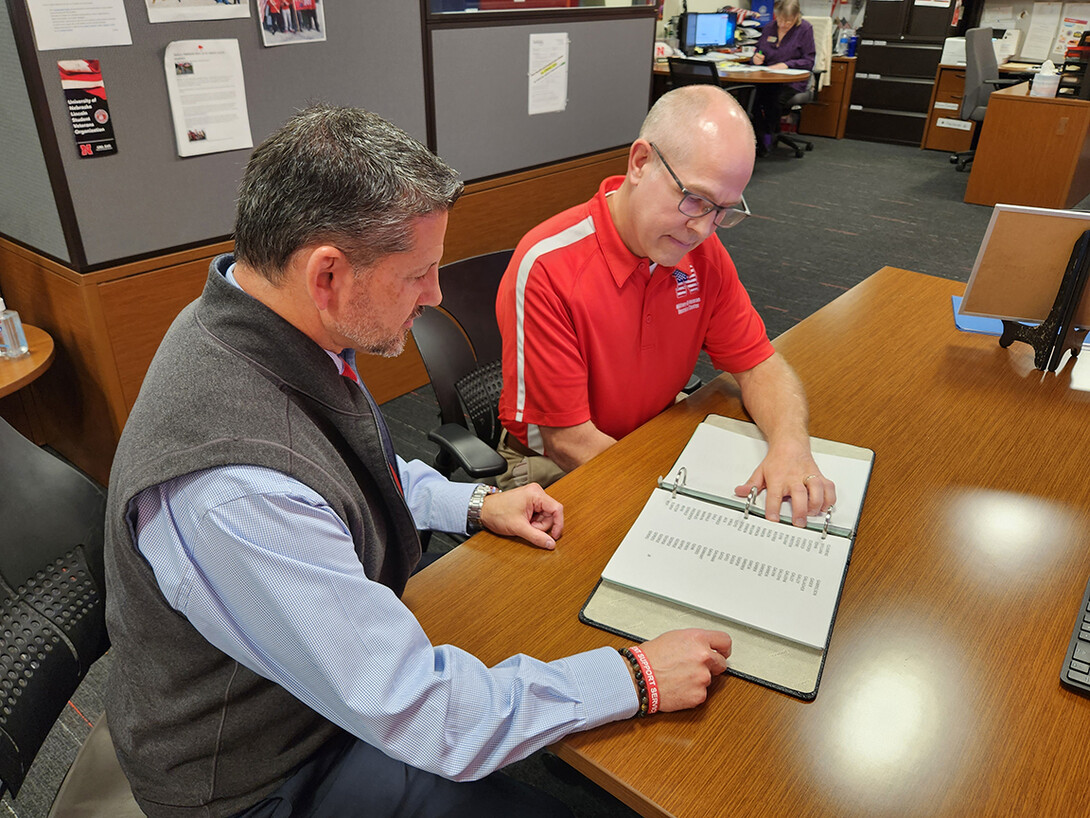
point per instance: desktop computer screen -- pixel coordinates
(706, 30)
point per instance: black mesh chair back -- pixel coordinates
(479, 392)
(52, 602)
(684, 71)
(52, 614)
(460, 345)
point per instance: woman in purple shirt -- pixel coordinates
(786, 42)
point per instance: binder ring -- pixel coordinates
(828, 517)
(679, 480)
(753, 492)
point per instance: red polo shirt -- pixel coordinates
(590, 332)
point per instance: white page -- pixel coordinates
(717, 460)
(78, 23)
(775, 578)
(1043, 23)
(548, 74)
(207, 96)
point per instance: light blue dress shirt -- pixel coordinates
(267, 572)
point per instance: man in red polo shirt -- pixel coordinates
(605, 307)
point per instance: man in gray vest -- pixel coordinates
(261, 528)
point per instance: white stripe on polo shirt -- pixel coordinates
(570, 235)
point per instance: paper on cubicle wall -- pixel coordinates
(207, 96)
(548, 73)
(1043, 22)
(91, 23)
(1075, 19)
(1021, 263)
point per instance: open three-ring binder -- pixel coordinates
(697, 556)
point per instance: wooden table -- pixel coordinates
(1032, 151)
(757, 77)
(941, 692)
(15, 373)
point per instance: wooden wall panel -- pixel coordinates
(139, 310)
(79, 391)
(494, 215)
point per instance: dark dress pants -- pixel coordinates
(352, 778)
(768, 105)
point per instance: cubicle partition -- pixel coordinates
(103, 252)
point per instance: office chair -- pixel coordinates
(461, 348)
(684, 71)
(52, 603)
(981, 78)
(794, 113)
(823, 54)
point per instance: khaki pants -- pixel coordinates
(525, 467)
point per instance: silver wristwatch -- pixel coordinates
(476, 503)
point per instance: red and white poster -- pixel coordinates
(88, 110)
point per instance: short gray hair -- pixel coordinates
(342, 176)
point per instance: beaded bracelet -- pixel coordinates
(645, 680)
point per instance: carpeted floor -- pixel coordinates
(821, 225)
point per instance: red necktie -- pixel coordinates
(384, 433)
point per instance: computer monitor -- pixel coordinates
(711, 30)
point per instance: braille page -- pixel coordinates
(770, 576)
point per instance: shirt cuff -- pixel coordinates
(605, 685)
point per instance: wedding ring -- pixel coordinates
(807, 478)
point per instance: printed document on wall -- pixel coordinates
(78, 23)
(1076, 18)
(548, 76)
(1043, 22)
(207, 96)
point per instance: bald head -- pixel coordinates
(685, 117)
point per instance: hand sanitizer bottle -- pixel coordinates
(12, 338)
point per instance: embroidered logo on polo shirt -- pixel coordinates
(687, 290)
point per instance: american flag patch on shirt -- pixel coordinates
(679, 276)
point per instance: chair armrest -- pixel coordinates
(693, 384)
(472, 454)
(1006, 82)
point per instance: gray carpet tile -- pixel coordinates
(821, 224)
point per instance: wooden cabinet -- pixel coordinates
(898, 55)
(1034, 151)
(945, 131)
(828, 113)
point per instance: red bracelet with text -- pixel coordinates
(649, 680)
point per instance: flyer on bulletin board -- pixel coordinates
(207, 96)
(78, 23)
(88, 111)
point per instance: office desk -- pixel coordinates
(1032, 151)
(941, 693)
(759, 77)
(18, 372)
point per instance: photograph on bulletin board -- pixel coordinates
(288, 22)
(172, 11)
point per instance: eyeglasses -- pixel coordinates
(695, 206)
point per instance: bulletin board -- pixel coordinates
(145, 197)
(481, 115)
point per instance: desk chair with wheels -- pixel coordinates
(793, 106)
(461, 348)
(981, 78)
(52, 599)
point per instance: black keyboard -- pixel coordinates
(1076, 669)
